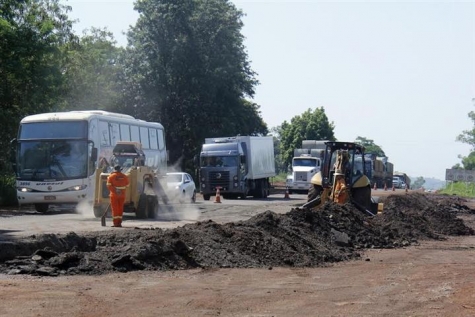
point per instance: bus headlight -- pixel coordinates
(24, 189)
(77, 187)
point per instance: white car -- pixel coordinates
(181, 187)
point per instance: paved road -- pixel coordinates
(26, 221)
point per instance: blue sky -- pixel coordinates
(401, 73)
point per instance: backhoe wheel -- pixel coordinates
(314, 196)
(41, 207)
(141, 212)
(152, 203)
(362, 196)
(313, 192)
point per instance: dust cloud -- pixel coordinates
(85, 209)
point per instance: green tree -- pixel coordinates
(32, 34)
(310, 125)
(186, 67)
(370, 146)
(418, 183)
(468, 136)
(468, 162)
(92, 72)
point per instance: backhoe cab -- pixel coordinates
(342, 178)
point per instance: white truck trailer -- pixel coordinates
(305, 163)
(239, 166)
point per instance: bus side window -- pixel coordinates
(134, 133)
(104, 133)
(124, 132)
(153, 138)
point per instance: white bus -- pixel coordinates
(57, 153)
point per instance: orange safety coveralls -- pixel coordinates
(117, 182)
(341, 194)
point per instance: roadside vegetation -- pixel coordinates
(459, 189)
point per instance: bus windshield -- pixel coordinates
(52, 160)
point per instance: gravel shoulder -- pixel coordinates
(434, 278)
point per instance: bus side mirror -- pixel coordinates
(94, 154)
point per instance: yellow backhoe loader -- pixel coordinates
(342, 178)
(144, 186)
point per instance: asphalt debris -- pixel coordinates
(299, 238)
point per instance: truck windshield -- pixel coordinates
(219, 161)
(305, 162)
(52, 160)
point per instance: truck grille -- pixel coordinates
(220, 179)
(300, 176)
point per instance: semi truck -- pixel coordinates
(401, 180)
(379, 170)
(305, 163)
(238, 166)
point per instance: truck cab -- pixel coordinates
(238, 166)
(303, 169)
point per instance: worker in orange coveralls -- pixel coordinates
(341, 194)
(117, 182)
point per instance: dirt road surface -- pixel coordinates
(431, 278)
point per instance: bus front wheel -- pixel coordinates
(41, 207)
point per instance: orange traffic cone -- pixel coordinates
(286, 193)
(218, 196)
(394, 189)
(406, 190)
(374, 187)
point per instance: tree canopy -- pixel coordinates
(418, 183)
(186, 67)
(468, 136)
(32, 35)
(310, 125)
(370, 146)
(92, 71)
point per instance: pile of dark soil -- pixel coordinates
(300, 238)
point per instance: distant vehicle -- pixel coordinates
(379, 170)
(401, 180)
(239, 166)
(305, 163)
(181, 187)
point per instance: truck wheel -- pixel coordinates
(41, 207)
(206, 197)
(141, 211)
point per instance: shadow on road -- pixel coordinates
(8, 235)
